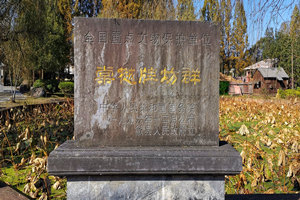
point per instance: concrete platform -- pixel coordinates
(8, 193)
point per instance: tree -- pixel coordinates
(226, 38)
(240, 38)
(268, 44)
(210, 11)
(129, 9)
(159, 9)
(295, 35)
(37, 28)
(185, 10)
(86, 8)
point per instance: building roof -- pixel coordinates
(267, 63)
(273, 72)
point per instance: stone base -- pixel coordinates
(155, 173)
(70, 159)
(146, 187)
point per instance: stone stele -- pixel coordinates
(146, 83)
(146, 112)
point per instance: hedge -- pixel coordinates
(66, 87)
(50, 86)
(224, 87)
(288, 93)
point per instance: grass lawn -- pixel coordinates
(31, 100)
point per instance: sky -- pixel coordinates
(261, 14)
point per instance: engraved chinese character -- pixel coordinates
(189, 75)
(138, 131)
(181, 108)
(168, 76)
(172, 108)
(193, 39)
(152, 108)
(147, 75)
(182, 126)
(180, 39)
(173, 122)
(104, 106)
(142, 38)
(143, 107)
(165, 125)
(162, 108)
(133, 107)
(116, 37)
(156, 132)
(167, 38)
(191, 125)
(89, 37)
(192, 108)
(139, 126)
(155, 39)
(104, 75)
(102, 37)
(148, 124)
(129, 38)
(206, 39)
(127, 75)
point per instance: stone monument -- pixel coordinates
(146, 113)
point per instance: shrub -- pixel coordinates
(224, 87)
(39, 83)
(66, 87)
(52, 85)
(288, 93)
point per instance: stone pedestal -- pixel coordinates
(146, 187)
(144, 173)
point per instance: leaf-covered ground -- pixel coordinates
(265, 131)
(27, 136)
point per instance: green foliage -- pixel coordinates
(50, 86)
(39, 83)
(224, 87)
(284, 44)
(36, 39)
(288, 93)
(66, 87)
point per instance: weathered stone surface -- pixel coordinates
(146, 187)
(146, 83)
(38, 92)
(70, 159)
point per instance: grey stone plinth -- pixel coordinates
(146, 187)
(69, 159)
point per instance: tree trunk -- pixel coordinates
(292, 61)
(33, 77)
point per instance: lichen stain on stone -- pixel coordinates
(100, 118)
